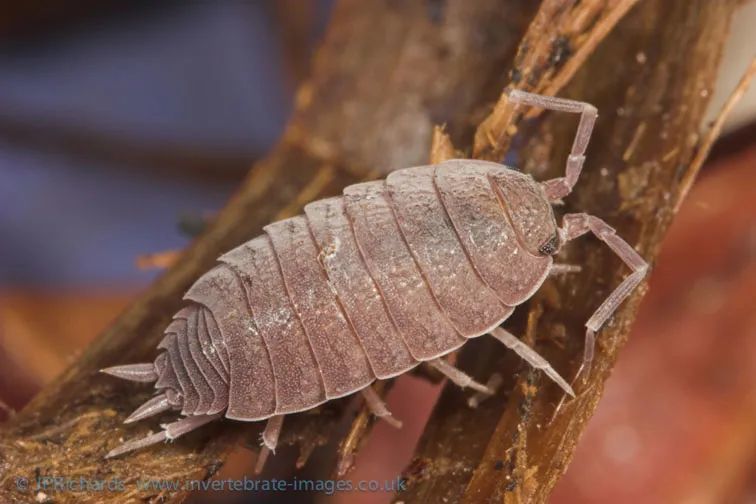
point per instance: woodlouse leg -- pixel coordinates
(574, 225)
(269, 441)
(560, 187)
(531, 357)
(378, 408)
(170, 432)
(563, 269)
(458, 377)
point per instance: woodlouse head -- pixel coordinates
(529, 212)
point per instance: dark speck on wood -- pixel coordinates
(560, 50)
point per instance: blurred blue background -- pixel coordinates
(117, 121)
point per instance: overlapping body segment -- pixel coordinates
(361, 287)
(298, 382)
(338, 352)
(196, 380)
(366, 286)
(216, 383)
(358, 293)
(251, 394)
(175, 369)
(470, 304)
(468, 191)
(410, 303)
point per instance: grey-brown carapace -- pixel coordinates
(365, 287)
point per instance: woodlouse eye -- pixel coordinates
(550, 246)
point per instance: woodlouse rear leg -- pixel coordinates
(144, 373)
(458, 377)
(558, 188)
(157, 404)
(269, 440)
(170, 432)
(531, 357)
(578, 224)
(378, 408)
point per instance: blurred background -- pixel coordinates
(125, 125)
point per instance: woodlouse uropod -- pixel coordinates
(368, 285)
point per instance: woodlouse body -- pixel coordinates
(364, 287)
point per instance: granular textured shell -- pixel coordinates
(361, 287)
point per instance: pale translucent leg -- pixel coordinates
(170, 431)
(564, 269)
(458, 377)
(493, 383)
(378, 408)
(560, 187)
(269, 441)
(531, 357)
(574, 225)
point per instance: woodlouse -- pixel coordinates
(368, 285)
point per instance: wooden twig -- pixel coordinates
(511, 449)
(441, 146)
(712, 133)
(560, 38)
(352, 442)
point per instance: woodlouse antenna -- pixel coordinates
(560, 187)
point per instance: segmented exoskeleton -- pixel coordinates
(366, 286)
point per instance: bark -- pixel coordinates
(385, 75)
(650, 79)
